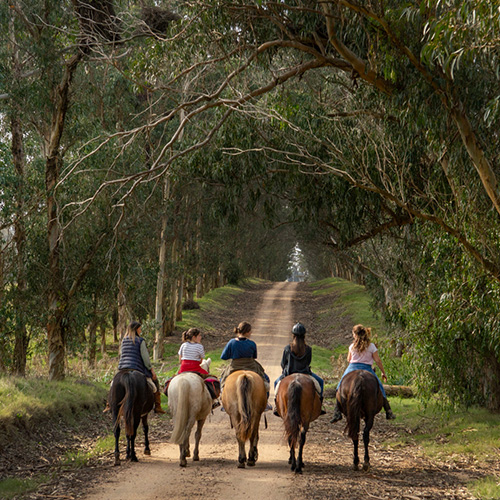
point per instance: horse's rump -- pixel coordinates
(359, 395)
(244, 399)
(189, 401)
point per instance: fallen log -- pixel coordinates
(403, 391)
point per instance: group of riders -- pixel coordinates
(241, 351)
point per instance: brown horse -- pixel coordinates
(130, 397)
(244, 399)
(298, 403)
(360, 397)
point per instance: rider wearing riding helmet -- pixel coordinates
(297, 358)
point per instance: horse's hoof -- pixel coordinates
(147, 452)
(196, 458)
(183, 463)
(134, 459)
(188, 454)
(251, 463)
(298, 471)
(366, 467)
(117, 462)
(355, 467)
(241, 465)
(289, 461)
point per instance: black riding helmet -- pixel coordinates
(299, 330)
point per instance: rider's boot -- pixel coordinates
(337, 414)
(323, 411)
(388, 412)
(158, 408)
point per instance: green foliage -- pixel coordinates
(13, 487)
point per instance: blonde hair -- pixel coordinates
(362, 337)
(189, 334)
(132, 330)
(243, 328)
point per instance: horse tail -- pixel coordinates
(181, 407)
(354, 407)
(127, 404)
(244, 386)
(293, 419)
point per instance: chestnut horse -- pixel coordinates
(244, 399)
(130, 397)
(360, 397)
(189, 401)
(298, 404)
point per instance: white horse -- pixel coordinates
(189, 401)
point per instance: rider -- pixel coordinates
(362, 354)
(191, 354)
(243, 353)
(297, 359)
(134, 355)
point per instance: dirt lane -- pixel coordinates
(216, 475)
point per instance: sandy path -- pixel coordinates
(216, 475)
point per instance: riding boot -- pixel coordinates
(323, 411)
(158, 408)
(388, 412)
(275, 409)
(337, 414)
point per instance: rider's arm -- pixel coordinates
(145, 356)
(377, 360)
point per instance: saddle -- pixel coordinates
(211, 383)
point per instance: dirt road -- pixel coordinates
(397, 472)
(216, 475)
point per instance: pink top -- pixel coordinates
(363, 357)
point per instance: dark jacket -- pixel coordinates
(290, 363)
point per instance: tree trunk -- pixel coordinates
(123, 317)
(92, 345)
(57, 302)
(160, 280)
(18, 158)
(180, 294)
(102, 329)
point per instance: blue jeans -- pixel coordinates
(362, 366)
(317, 377)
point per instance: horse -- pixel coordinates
(130, 397)
(298, 404)
(190, 402)
(360, 397)
(244, 399)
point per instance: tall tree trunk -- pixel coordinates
(92, 345)
(17, 148)
(123, 316)
(160, 280)
(57, 296)
(102, 329)
(180, 294)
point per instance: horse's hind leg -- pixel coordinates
(145, 428)
(366, 442)
(253, 452)
(291, 458)
(300, 463)
(182, 450)
(242, 455)
(197, 436)
(355, 463)
(117, 439)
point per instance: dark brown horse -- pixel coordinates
(130, 397)
(298, 403)
(360, 397)
(244, 399)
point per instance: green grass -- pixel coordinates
(27, 400)
(351, 297)
(487, 488)
(12, 487)
(216, 299)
